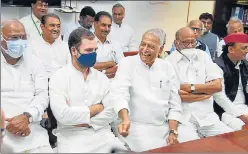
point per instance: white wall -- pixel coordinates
(141, 15)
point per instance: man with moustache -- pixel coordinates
(145, 95)
(32, 22)
(109, 52)
(54, 54)
(232, 102)
(120, 31)
(24, 95)
(86, 20)
(79, 101)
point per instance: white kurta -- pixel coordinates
(70, 98)
(151, 97)
(69, 28)
(24, 89)
(220, 47)
(124, 34)
(32, 26)
(199, 70)
(109, 51)
(233, 109)
(53, 56)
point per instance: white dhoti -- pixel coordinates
(89, 141)
(143, 137)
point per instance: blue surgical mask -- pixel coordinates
(87, 60)
(15, 48)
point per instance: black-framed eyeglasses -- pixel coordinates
(196, 29)
(187, 43)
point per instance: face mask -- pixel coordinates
(87, 60)
(15, 48)
(189, 53)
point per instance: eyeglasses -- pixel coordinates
(187, 43)
(196, 29)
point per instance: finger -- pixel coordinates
(9, 119)
(28, 131)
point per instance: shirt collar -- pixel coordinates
(106, 41)
(36, 20)
(91, 74)
(116, 25)
(229, 62)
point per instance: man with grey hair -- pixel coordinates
(120, 31)
(79, 101)
(234, 25)
(198, 28)
(145, 95)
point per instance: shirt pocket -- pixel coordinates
(162, 89)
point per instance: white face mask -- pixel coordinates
(15, 48)
(189, 53)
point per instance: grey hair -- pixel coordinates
(118, 5)
(76, 37)
(235, 19)
(159, 33)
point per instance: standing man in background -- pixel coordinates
(210, 39)
(86, 20)
(120, 31)
(109, 52)
(32, 22)
(234, 25)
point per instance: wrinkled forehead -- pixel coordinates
(189, 35)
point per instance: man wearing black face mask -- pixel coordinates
(23, 92)
(79, 100)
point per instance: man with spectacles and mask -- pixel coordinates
(232, 101)
(198, 29)
(79, 101)
(24, 94)
(86, 20)
(32, 22)
(200, 78)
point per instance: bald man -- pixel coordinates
(198, 29)
(234, 25)
(200, 78)
(24, 93)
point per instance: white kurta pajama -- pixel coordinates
(199, 116)
(53, 56)
(24, 89)
(151, 97)
(70, 98)
(233, 109)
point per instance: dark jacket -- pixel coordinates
(231, 79)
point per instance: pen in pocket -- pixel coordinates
(160, 83)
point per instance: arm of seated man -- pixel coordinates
(104, 65)
(94, 110)
(189, 97)
(209, 88)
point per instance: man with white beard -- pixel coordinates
(200, 78)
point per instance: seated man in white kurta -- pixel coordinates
(109, 51)
(146, 87)
(232, 101)
(200, 78)
(24, 95)
(78, 99)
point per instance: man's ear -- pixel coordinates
(73, 51)
(230, 49)
(161, 49)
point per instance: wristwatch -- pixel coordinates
(173, 131)
(29, 116)
(192, 88)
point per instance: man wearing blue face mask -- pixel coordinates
(23, 92)
(79, 100)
